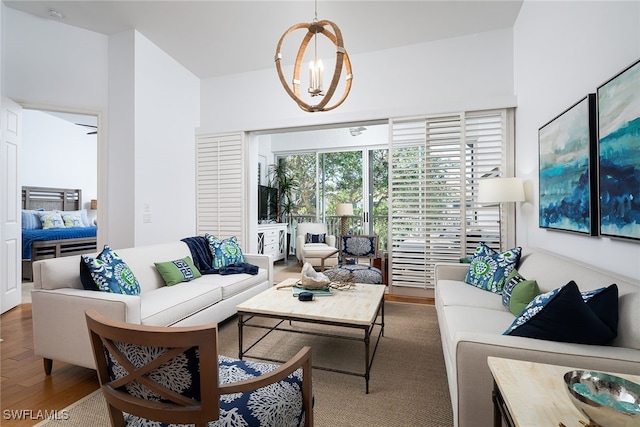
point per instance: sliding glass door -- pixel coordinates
(325, 179)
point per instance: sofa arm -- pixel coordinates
(331, 241)
(450, 271)
(262, 261)
(59, 323)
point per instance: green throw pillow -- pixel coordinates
(518, 292)
(180, 270)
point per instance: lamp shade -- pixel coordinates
(498, 190)
(94, 204)
(344, 209)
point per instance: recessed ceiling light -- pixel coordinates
(54, 14)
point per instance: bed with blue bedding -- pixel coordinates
(54, 225)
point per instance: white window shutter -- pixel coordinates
(435, 164)
(220, 186)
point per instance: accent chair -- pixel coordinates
(174, 375)
(313, 243)
(356, 247)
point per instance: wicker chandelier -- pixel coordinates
(316, 68)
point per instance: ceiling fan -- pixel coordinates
(95, 132)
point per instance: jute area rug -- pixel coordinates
(408, 385)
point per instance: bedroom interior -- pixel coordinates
(535, 64)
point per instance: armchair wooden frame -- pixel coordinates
(178, 408)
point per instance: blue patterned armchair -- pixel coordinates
(357, 247)
(161, 376)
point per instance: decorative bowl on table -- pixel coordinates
(607, 400)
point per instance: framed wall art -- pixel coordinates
(619, 154)
(568, 162)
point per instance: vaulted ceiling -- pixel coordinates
(214, 38)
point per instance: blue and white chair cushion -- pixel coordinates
(278, 404)
(359, 273)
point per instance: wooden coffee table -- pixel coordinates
(359, 308)
(529, 394)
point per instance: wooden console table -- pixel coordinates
(529, 394)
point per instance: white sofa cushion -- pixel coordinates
(453, 292)
(233, 284)
(170, 304)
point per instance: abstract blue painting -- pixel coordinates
(567, 169)
(619, 154)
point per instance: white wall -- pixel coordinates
(154, 109)
(57, 153)
(563, 51)
(167, 111)
(469, 73)
(49, 63)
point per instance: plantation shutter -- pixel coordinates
(435, 165)
(220, 186)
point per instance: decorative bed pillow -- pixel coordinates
(604, 303)
(315, 238)
(179, 270)
(51, 219)
(225, 252)
(73, 219)
(31, 220)
(561, 315)
(83, 215)
(518, 292)
(489, 269)
(110, 273)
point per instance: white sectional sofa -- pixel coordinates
(59, 299)
(472, 322)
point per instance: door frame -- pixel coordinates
(101, 189)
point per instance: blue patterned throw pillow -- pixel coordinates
(561, 315)
(225, 252)
(489, 269)
(110, 273)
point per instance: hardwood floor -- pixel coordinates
(27, 395)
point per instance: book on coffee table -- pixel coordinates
(316, 292)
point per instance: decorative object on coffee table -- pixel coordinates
(311, 279)
(607, 400)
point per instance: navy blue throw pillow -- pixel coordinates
(561, 315)
(85, 277)
(315, 238)
(604, 303)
